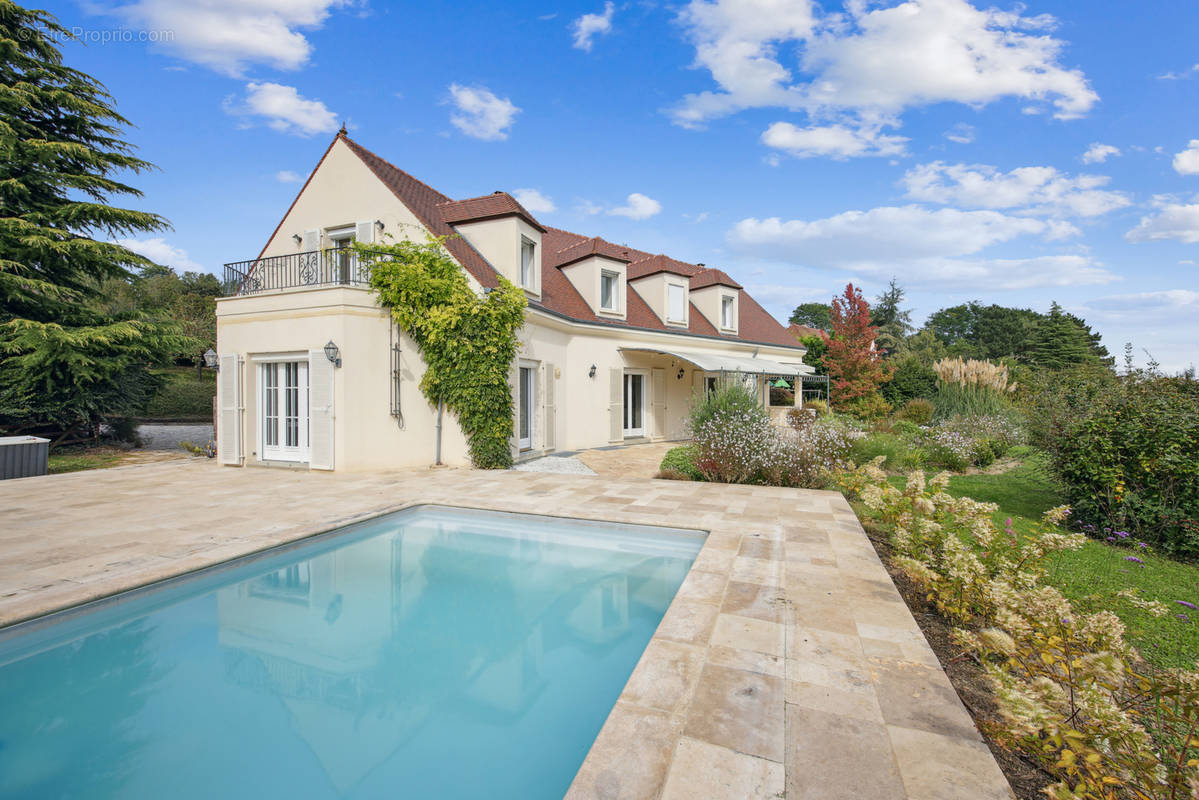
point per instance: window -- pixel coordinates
(343, 262)
(527, 265)
(676, 303)
(726, 312)
(608, 283)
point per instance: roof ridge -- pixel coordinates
(372, 153)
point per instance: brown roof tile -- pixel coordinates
(595, 246)
(489, 206)
(652, 265)
(712, 277)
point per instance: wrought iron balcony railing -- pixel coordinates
(331, 267)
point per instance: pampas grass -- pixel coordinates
(968, 387)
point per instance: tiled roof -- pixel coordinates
(595, 246)
(712, 277)
(558, 295)
(652, 265)
(489, 206)
(800, 331)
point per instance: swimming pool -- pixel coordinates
(431, 653)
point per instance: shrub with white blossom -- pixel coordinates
(1074, 694)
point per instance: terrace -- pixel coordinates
(787, 662)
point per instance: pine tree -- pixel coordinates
(66, 367)
(854, 366)
(894, 323)
(1056, 342)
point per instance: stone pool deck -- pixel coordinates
(787, 666)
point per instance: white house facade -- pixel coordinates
(616, 342)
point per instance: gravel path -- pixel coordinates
(168, 435)
(562, 465)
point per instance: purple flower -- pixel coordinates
(1111, 538)
(1183, 617)
(1122, 534)
(1188, 605)
(1133, 559)
(1142, 545)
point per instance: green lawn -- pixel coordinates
(75, 459)
(1092, 577)
(183, 396)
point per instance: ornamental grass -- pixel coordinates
(1073, 693)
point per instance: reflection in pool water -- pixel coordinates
(433, 653)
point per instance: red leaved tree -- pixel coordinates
(855, 367)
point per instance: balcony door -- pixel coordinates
(283, 410)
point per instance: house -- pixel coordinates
(616, 340)
(800, 331)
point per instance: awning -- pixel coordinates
(713, 362)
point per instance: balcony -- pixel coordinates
(313, 269)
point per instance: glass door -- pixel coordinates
(634, 404)
(284, 411)
(526, 396)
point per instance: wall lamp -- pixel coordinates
(297, 238)
(333, 353)
(591, 372)
(680, 376)
(211, 360)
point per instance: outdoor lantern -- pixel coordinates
(680, 373)
(297, 238)
(210, 358)
(333, 353)
(591, 372)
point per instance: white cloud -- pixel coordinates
(941, 247)
(284, 109)
(480, 114)
(637, 206)
(1097, 153)
(960, 133)
(867, 66)
(287, 176)
(160, 252)
(1187, 162)
(588, 26)
(1172, 221)
(1135, 306)
(229, 35)
(1032, 190)
(1176, 76)
(836, 141)
(534, 201)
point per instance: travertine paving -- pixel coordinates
(787, 666)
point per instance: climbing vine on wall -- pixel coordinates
(467, 341)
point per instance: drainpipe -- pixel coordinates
(437, 449)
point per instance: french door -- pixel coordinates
(526, 397)
(634, 403)
(284, 410)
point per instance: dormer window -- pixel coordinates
(609, 282)
(676, 303)
(528, 250)
(726, 312)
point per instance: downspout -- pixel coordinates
(437, 449)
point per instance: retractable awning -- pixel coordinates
(712, 362)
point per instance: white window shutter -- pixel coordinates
(698, 383)
(658, 399)
(364, 232)
(616, 405)
(320, 410)
(312, 240)
(229, 405)
(550, 411)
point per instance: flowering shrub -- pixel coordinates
(959, 442)
(735, 446)
(1073, 693)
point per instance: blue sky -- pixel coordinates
(1014, 154)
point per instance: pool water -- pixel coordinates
(433, 653)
